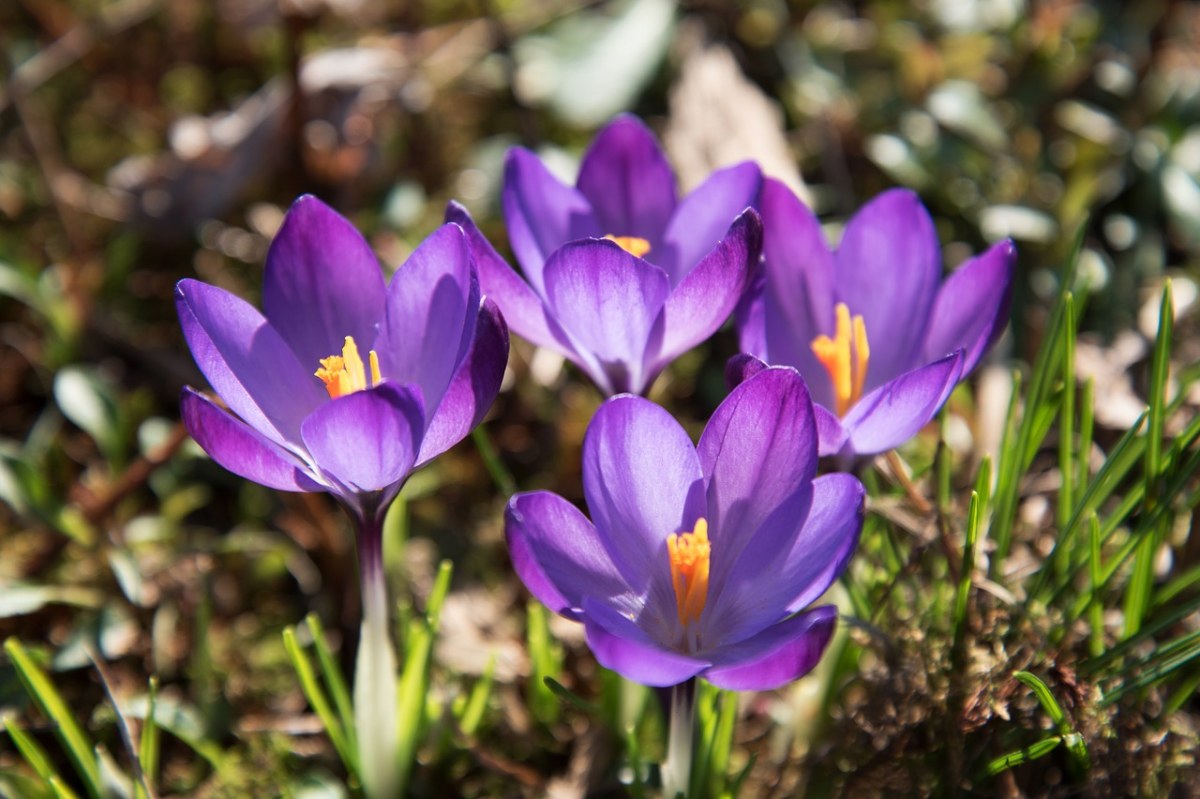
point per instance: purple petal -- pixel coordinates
(798, 296)
(759, 455)
(972, 306)
(240, 448)
(619, 644)
(368, 440)
(560, 557)
(831, 436)
(626, 178)
(808, 555)
(741, 368)
(473, 389)
(750, 317)
(429, 322)
(522, 308)
(776, 656)
(704, 216)
(888, 270)
(642, 481)
(703, 301)
(608, 301)
(541, 213)
(897, 410)
(246, 362)
(322, 283)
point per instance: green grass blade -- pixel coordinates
(333, 677)
(545, 660)
(477, 702)
(1087, 416)
(47, 697)
(1141, 583)
(34, 755)
(1124, 456)
(1033, 752)
(491, 460)
(60, 789)
(414, 677)
(320, 704)
(149, 742)
(1016, 456)
(1096, 604)
(1044, 697)
(968, 571)
(1066, 426)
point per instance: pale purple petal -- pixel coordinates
(473, 388)
(798, 295)
(810, 552)
(759, 456)
(322, 283)
(368, 440)
(642, 481)
(776, 656)
(246, 362)
(541, 213)
(621, 645)
(897, 410)
(608, 301)
(240, 448)
(560, 557)
(626, 178)
(429, 322)
(702, 218)
(699, 305)
(972, 306)
(888, 270)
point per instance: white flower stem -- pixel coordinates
(677, 769)
(375, 674)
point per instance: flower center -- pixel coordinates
(689, 554)
(845, 357)
(631, 244)
(346, 373)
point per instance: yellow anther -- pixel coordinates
(689, 554)
(845, 357)
(631, 244)
(346, 373)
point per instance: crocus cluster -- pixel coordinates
(698, 560)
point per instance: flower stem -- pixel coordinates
(678, 766)
(375, 671)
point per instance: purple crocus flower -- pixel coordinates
(697, 561)
(881, 339)
(620, 276)
(345, 384)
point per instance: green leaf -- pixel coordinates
(1044, 697)
(50, 701)
(320, 704)
(1033, 752)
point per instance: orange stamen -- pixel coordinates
(689, 554)
(631, 244)
(346, 373)
(845, 357)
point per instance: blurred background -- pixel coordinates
(144, 141)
